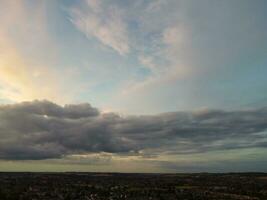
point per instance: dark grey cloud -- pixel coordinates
(42, 130)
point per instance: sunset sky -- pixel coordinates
(133, 85)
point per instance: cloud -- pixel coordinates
(105, 23)
(173, 36)
(41, 129)
(186, 45)
(147, 62)
(162, 42)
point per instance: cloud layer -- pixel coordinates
(41, 130)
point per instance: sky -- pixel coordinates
(133, 85)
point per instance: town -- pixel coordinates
(116, 186)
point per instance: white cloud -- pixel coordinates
(173, 36)
(106, 24)
(166, 63)
(148, 62)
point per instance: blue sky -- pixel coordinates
(135, 57)
(139, 57)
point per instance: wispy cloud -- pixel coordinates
(103, 22)
(148, 62)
